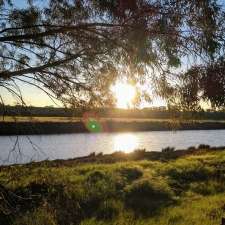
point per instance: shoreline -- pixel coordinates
(166, 154)
(39, 128)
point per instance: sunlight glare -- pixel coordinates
(125, 142)
(124, 94)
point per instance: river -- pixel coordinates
(23, 149)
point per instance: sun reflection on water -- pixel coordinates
(125, 142)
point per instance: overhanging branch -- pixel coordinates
(9, 74)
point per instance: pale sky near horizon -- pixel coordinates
(35, 97)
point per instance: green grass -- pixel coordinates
(187, 191)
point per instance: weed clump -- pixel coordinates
(168, 149)
(146, 197)
(208, 188)
(39, 216)
(130, 173)
(108, 210)
(203, 146)
(190, 173)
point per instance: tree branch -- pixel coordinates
(61, 29)
(8, 74)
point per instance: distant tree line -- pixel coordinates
(151, 112)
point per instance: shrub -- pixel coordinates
(203, 146)
(38, 217)
(99, 154)
(191, 173)
(141, 151)
(191, 148)
(98, 187)
(108, 210)
(138, 154)
(92, 154)
(168, 149)
(131, 173)
(183, 174)
(208, 188)
(147, 197)
(96, 176)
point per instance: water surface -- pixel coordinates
(23, 149)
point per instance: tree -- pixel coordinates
(74, 50)
(202, 82)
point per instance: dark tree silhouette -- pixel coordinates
(74, 50)
(202, 82)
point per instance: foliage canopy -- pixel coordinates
(75, 49)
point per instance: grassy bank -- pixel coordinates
(185, 188)
(109, 125)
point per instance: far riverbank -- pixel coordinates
(32, 128)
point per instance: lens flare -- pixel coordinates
(92, 122)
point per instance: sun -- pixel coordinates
(124, 94)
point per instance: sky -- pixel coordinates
(31, 95)
(35, 97)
